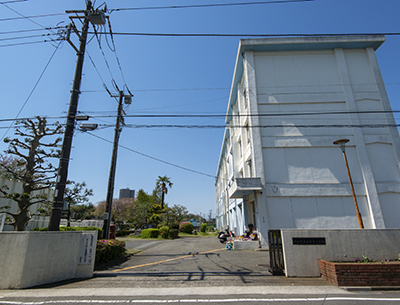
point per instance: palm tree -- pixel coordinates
(163, 183)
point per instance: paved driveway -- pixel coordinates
(191, 262)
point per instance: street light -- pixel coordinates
(342, 145)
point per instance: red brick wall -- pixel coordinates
(361, 274)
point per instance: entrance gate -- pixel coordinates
(276, 262)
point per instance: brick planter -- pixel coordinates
(361, 274)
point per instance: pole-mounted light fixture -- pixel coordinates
(342, 145)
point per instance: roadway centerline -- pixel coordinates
(167, 260)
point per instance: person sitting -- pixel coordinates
(250, 229)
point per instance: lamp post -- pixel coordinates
(342, 145)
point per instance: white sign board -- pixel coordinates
(88, 246)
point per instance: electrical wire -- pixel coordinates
(182, 126)
(143, 126)
(248, 35)
(206, 5)
(25, 37)
(221, 115)
(13, 1)
(30, 17)
(114, 50)
(33, 89)
(33, 30)
(152, 158)
(105, 59)
(22, 43)
(98, 73)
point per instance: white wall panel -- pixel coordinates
(383, 162)
(390, 204)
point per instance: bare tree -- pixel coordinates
(32, 167)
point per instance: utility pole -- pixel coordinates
(111, 178)
(58, 202)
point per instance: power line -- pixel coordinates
(33, 30)
(222, 115)
(138, 126)
(114, 50)
(105, 58)
(25, 37)
(153, 158)
(33, 89)
(247, 35)
(13, 1)
(152, 8)
(30, 17)
(206, 5)
(23, 43)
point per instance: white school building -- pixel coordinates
(290, 99)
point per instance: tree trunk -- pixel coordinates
(21, 221)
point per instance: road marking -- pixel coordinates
(203, 300)
(167, 260)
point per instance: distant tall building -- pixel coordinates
(126, 193)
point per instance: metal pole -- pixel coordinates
(55, 216)
(359, 218)
(111, 179)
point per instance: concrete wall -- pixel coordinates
(341, 245)
(29, 259)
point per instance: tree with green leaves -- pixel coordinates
(76, 192)
(163, 183)
(32, 167)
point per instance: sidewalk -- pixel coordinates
(189, 266)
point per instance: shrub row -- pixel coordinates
(122, 233)
(203, 227)
(99, 233)
(108, 250)
(164, 232)
(150, 233)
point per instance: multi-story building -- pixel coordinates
(126, 193)
(290, 99)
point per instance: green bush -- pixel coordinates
(174, 233)
(99, 233)
(150, 233)
(122, 233)
(186, 227)
(175, 226)
(203, 227)
(164, 232)
(210, 229)
(109, 250)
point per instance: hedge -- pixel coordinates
(150, 233)
(164, 232)
(99, 233)
(123, 233)
(109, 250)
(174, 233)
(203, 227)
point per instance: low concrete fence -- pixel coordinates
(303, 248)
(29, 259)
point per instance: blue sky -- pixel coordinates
(167, 75)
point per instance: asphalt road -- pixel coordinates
(193, 270)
